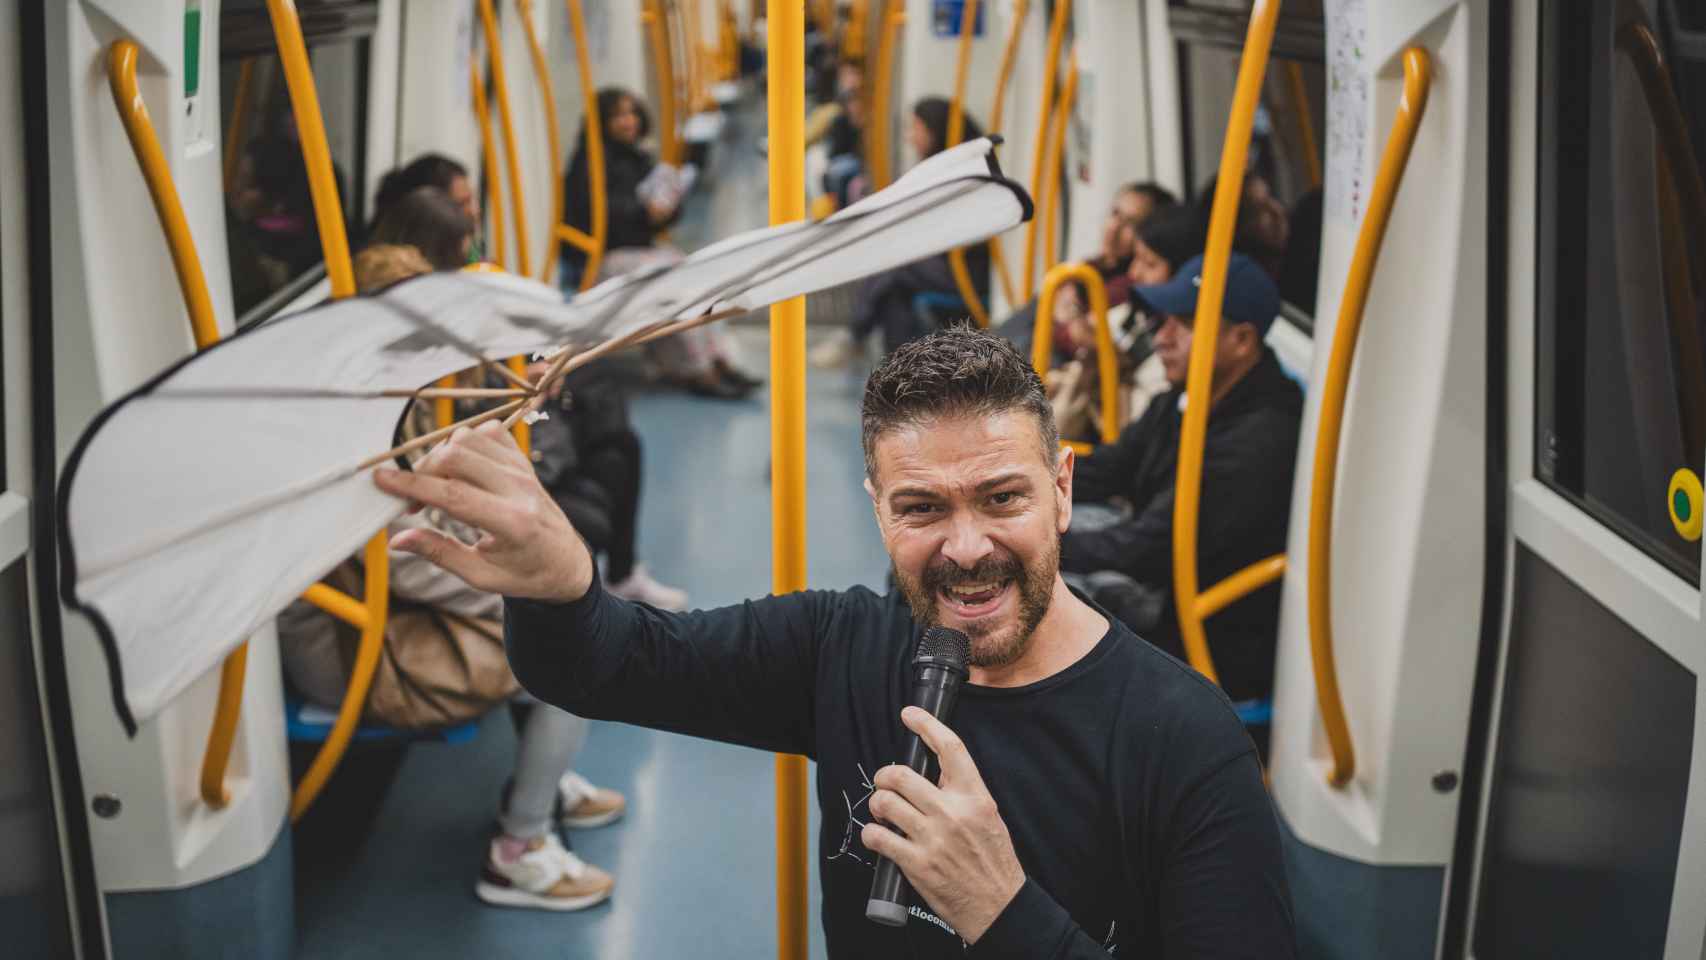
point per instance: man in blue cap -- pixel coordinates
(1248, 460)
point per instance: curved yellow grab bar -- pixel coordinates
(593, 245)
(553, 135)
(785, 25)
(1678, 176)
(853, 41)
(1052, 169)
(238, 122)
(956, 131)
(334, 244)
(512, 161)
(657, 31)
(1051, 63)
(192, 282)
(488, 160)
(1199, 385)
(1305, 121)
(1107, 358)
(1009, 54)
(369, 618)
(1333, 388)
(880, 122)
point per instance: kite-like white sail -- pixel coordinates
(198, 506)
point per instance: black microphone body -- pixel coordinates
(938, 669)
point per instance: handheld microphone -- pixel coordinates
(938, 669)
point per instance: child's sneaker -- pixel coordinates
(585, 805)
(544, 877)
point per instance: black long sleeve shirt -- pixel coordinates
(1131, 792)
(1249, 456)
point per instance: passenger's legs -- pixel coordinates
(546, 749)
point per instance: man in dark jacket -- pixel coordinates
(1248, 459)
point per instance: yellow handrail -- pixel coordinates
(879, 123)
(785, 25)
(1052, 169)
(553, 135)
(1051, 63)
(1305, 122)
(239, 120)
(489, 160)
(192, 282)
(853, 41)
(1009, 54)
(657, 31)
(1334, 386)
(1107, 357)
(687, 17)
(334, 244)
(593, 245)
(1206, 332)
(956, 130)
(512, 160)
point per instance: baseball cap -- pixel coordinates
(1251, 296)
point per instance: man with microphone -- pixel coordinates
(1096, 796)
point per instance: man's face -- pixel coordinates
(462, 194)
(1172, 341)
(1119, 231)
(971, 514)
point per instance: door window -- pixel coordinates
(1621, 370)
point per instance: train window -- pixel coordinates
(1287, 138)
(1621, 373)
(273, 242)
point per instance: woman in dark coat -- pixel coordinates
(642, 198)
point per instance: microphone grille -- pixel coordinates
(941, 644)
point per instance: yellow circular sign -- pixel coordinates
(1685, 502)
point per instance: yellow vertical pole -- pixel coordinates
(489, 160)
(786, 28)
(512, 162)
(657, 28)
(1051, 63)
(956, 131)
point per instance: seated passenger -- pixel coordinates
(887, 300)
(527, 865)
(1263, 229)
(642, 197)
(427, 219)
(844, 139)
(429, 170)
(1126, 560)
(1133, 206)
(1165, 242)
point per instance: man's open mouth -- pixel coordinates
(968, 601)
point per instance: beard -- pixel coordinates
(990, 645)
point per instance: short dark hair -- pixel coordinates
(428, 220)
(426, 170)
(957, 371)
(933, 113)
(1157, 195)
(1175, 233)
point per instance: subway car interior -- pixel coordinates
(1471, 645)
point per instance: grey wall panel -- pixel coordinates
(1349, 910)
(1590, 783)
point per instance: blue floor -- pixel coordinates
(694, 859)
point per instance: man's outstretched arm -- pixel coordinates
(743, 674)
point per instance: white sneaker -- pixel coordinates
(585, 805)
(641, 588)
(835, 352)
(544, 877)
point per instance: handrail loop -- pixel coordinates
(1051, 64)
(657, 32)
(1335, 384)
(512, 161)
(192, 282)
(956, 131)
(1009, 55)
(1305, 121)
(489, 161)
(1107, 356)
(1253, 65)
(334, 244)
(590, 244)
(879, 124)
(1052, 170)
(553, 134)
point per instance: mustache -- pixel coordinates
(990, 569)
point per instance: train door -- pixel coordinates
(1592, 837)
